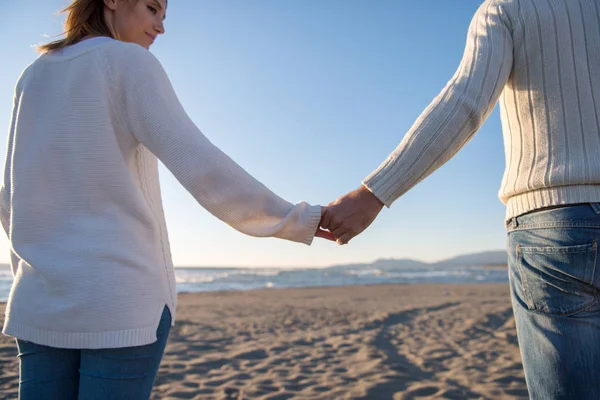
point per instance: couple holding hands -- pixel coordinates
(94, 295)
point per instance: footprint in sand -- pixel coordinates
(232, 394)
(507, 380)
(252, 355)
(297, 386)
(440, 355)
(321, 389)
(422, 392)
(191, 385)
(280, 396)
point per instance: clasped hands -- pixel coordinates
(349, 215)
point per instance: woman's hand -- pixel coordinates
(323, 234)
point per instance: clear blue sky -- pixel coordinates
(309, 96)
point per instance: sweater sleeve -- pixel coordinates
(226, 190)
(450, 121)
(5, 189)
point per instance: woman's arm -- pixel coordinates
(5, 189)
(159, 122)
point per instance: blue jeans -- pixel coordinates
(555, 292)
(65, 374)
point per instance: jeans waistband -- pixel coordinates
(567, 215)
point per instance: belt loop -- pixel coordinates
(512, 223)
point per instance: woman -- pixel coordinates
(94, 294)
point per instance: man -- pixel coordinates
(541, 60)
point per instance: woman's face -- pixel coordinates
(138, 21)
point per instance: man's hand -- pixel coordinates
(320, 232)
(351, 214)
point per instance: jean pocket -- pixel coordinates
(558, 280)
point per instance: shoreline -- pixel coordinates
(3, 303)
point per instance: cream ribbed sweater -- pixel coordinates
(541, 59)
(81, 197)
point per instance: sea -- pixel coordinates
(228, 279)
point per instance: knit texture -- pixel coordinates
(541, 60)
(81, 199)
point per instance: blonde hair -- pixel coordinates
(84, 17)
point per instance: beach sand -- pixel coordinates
(354, 342)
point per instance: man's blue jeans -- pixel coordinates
(66, 374)
(555, 291)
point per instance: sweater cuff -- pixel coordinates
(314, 218)
(374, 185)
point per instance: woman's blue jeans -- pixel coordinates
(122, 373)
(555, 291)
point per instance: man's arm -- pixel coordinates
(445, 126)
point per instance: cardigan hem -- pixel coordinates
(87, 340)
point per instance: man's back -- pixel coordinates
(551, 100)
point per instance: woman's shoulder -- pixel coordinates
(130, 52)
(23, 77)
(131, 57)
(118, 46)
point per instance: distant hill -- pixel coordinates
(476, 260)
(384, 264)
(488, 258)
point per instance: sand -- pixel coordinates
(354, 342)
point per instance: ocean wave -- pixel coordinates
(212, 279)
(213, 275)
(365, 272)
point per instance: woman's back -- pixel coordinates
(69, 148)
(85, 200)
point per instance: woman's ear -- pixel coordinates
(111, 4)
